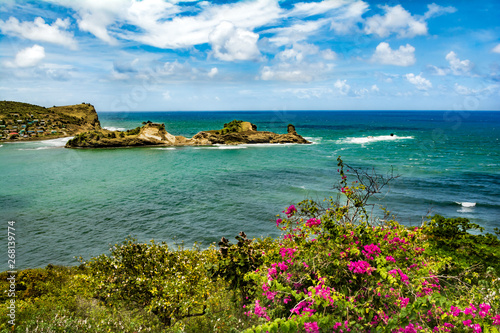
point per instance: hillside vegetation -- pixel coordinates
(335, 268)
(23, 121)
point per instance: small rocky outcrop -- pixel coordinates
(150, 134)
(239, 132)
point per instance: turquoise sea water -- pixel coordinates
(69, 203)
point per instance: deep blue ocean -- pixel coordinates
(68, 202)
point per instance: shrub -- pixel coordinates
(170, 284)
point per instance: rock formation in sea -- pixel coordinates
(151, 134)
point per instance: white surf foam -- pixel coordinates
(314, 140)
(221, 147)
(262, 145)
(229, 147)
(370, 139)
(111, 128)
(46, 144)
(166, 148)
(466, 204)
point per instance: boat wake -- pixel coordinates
(466, 204)
(370, 139)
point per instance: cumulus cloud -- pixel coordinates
(419, 81)
(213, 72)
(457, 66)
(375, 88)
(395, 21)
(28, 57)
(298, 63)
(404, 56)
(496, 49)
(342, 87)
(230, 43)
(328, 54)
(40, 31)
(440, 71)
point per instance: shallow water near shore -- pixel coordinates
(68, 202)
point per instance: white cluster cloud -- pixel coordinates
(396, 20)
(404, 56)
(213, 72)
(419, 81)
(496, 49)
(230, 43)
(40, 31)
(457, 66)
(299, 63)
(342, 87)
(28, 57)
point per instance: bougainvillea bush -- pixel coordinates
(339, 272)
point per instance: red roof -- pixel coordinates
(13, 133)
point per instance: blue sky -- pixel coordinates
(159, 55)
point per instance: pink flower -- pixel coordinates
(282, 266)
(278, 221)
(290, 211)
(477, 328)
(496, 320)
(305, 265)
(455, 311)
(260, 311)
(484, 308)
(467, 322)
(285, 252)
(390, 258)
(404, 301)
(409, 329)
(403, 276)
(312, 222)
(470, 311)
(311, 327)
(370, 250)
(360, 267)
